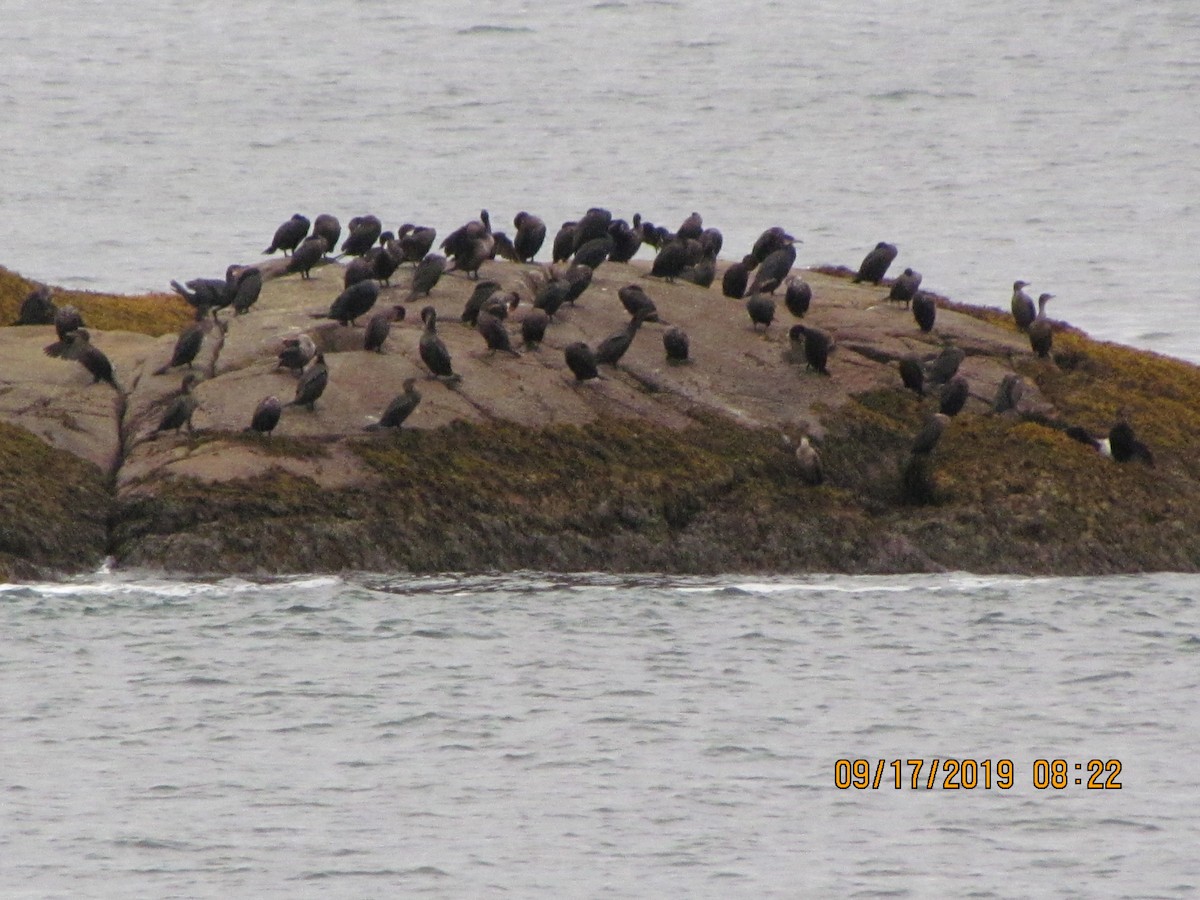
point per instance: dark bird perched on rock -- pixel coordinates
(189, 342)
(247, 288)
(817, 345)
(711, 242)
(296, 352)
(875, 264)
(400, 408)
(415, 242)
(531, 234)
(212, 293)
(564, 242)
(593, 252)
(482, 292)
(328, 227)
(702, 273)
(310, 252)
(364, 232)
(670, 262)
(610, 350)
(736, 278)
(384, 262)
(533, 328)
(772, 270)
(1009, 393)
(551, 296)
(761, 308)
(1023, 310)
(924, 310)
(904, 288)
(593, 224)
(266, 415)
(289, 235)
(692, 228)
(626, 240)
(1124, 445)
(351, 303)
(470, 245)
(638, 303)
(67, 320)
(798, 296)
(578, 279)
(360, 268)
(774, 238)
(581, 361)
(1041, 334)
(675, 342)
(37, 308)
(312, 384)
(943, 367)
(653, 236)
(808, 460)
(77, 345)
(502, 246)
(433, 352)
(912, 375)
(426, 275)
(379, 326)
(953, 396)
(179, 413)
(929, 435)
(494, 333)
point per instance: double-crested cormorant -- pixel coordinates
(593, 224)
(426, 275)
(592, 253)
(364, 232)
(502, 246)
(637, 302)
(379, 326)
(703, 272)
(1009, 393)
(247, 287)
(610, 350)
(310, 252)
(482, 292)
(471, 245)
(808, 460)
(927, 438)
(1023, 310)
(736, 278)
(578, 279)
(798, 296)
(433, 352)
(772, 270)
(78, 346)
(384, 262)
(296, 352)
(817, 345)
(912, 375)
(351, 303)
(711, 242)
(581, 361)
(289, 235)
(875, 264)
(212, 293)
(670, 262)
(312, 384)
(533, 328)
(953, 396)
(626, 240)
(400, 408)
(415, 241)
(942, 367)
(266, 415)
(904, 288)
(774, 238)
(179, 413)
(37, 308)
(188, 344)
(761, 308)
(531, 234)
(924, 310)
(1041, 335)
(1123, 443)
(552, 295)
(328, 227)
(493, 331)
(564, 242)
(67, 320)
(692, 228)
(675, 342)
(360, 268)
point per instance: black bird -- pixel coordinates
(266, 415)
(924, 310)
(312, 384)
(426, 275)
(904, 288)
(594, 224)
(552, 295)
(736, 278)
(798, 296)
(1041, 335)
(384, 262)
(379, 326)
(761, 308)
(626, 240)
(875, 264)
(612, 348)
(581, 361)
(179, 413)
(247, 288)
(1009, 393)
(1023, 310)
(351, 303)
(953, 396)
(533, 328)
(415, 241)
(296, 353)
(670, 262)
(189, 342)
(637, 302)
(711, 241)
(675, 342)
(1124, 445)
(592, 253)
(328, 227)
(212, 293)
(364, 232)
(79, 348)
(943, 366)
(692, 228)
(66, 321)
(433, 352)
(289, 235)
(912, 375)
(480, 295)
(531, 234)
(503, 247)
(927, 438)
(494, 332)
(37, 308)
(310, 252)
(774, 238)
(702, 272)
(360, 268)
(816, 348)
(772, 270)
(400, 408)
(471, 245)
(578, 279)
(564, 242)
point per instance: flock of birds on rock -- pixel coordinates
(578, 248)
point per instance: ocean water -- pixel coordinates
(535, 735)
(990, 140)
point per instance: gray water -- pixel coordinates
(990, 139)
(551, 736)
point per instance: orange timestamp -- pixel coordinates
(971, 774)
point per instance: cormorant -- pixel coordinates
(531, 234)
(671, 260)
(761, 308)
(296, 353)
(953, 396)
(581, 361)
(675, 342)
(1009, 393)
(364, 232)
(400, 408)
(798, 296)
(626, 240)
(817, 344)
(1124, 445)
(703, 272)
(711, 242)
(79, 347)
(942, 367)
(592, 253)
(289, 235)
(809, 462)
(594, 224)
(384, 262)
(247, 287)
(482, 292)
(471, 245)
(1041, 335)
(37, 308)
(179, 413)
(772, 270)
(188, 344)
(875, 263)
(924, 310)
(328, 227)
(551, 296)
(637, 302)
(927, 438)
(912, 375)
(692, 228)
(736, 277)
(533, 328)
(312, 384)
(578, 279)
(360, 268)
(380, 325)
(310, 252)
(67, 320)
(774, 238)
(351, 303)
(433, 352)
(612, 348)
(415, 241)
(1023, 310)
(904, 288)
(426, 275)
(494, 332)
(564, 242)
(266, 415)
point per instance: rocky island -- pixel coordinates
(657, 465)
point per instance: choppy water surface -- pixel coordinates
(549, 736)
(990, 140)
